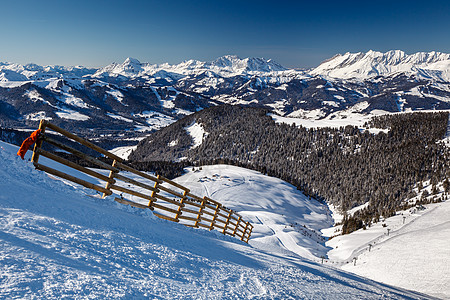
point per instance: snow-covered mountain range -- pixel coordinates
(138, 97)
(362, 66)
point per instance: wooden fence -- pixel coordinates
(167, 199)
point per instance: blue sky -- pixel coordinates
(293, 33)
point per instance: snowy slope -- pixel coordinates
(409, 250)
(57, 242)
(283, 217)
(413, 255)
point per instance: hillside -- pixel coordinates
(379, 164)
(58, 242)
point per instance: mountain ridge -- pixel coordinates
(234, 65)
(372, 63)
(139, 97)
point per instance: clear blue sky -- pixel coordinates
(293, 33)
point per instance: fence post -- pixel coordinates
(38, 144)
(214, 217)
(200, 212)
(250, 232)
(150, 202)
(245, 231)
(227, 222)
(181, 204)
(111, 176)
(237, 225)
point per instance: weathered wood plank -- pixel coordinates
(195, 197)
(82, 141)
(222, 215)
(204, 225)
(172, 192)
(209, 213)
(135, 182)
(80, 154)
(131, 203)
(72, 178)
(167, 199)
(174, 183)
(221, 221)
(189, 202)
(155, 205)
(207, 220)
(131, 192)
(218, 226)
(134, 171)
(212, 201)
(187, 218)
(191, 211)
(208, 205)
(165, 217)
(74, 165)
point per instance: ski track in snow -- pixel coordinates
(58, 243)
(419, 247)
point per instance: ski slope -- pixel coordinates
(57, 242)
(414, 255)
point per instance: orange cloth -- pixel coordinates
(28, 142)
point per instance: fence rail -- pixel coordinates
(167, 199)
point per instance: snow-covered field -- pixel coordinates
(57, 242)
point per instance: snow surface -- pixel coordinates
(414, 255)
(66, 113)
(124, 151)
(409, 250)
(354, 120)
(197, 132)
(57, 242)
(117, 117)
(155, 120)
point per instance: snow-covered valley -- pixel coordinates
(60, 241)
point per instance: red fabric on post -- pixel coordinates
(28, 142)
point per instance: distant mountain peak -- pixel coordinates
(235, 64)
(131, 61)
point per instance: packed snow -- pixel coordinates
(61, 241)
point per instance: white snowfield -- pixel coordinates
(57, 242)
(416, 256)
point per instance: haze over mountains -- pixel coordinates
(137, 96)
